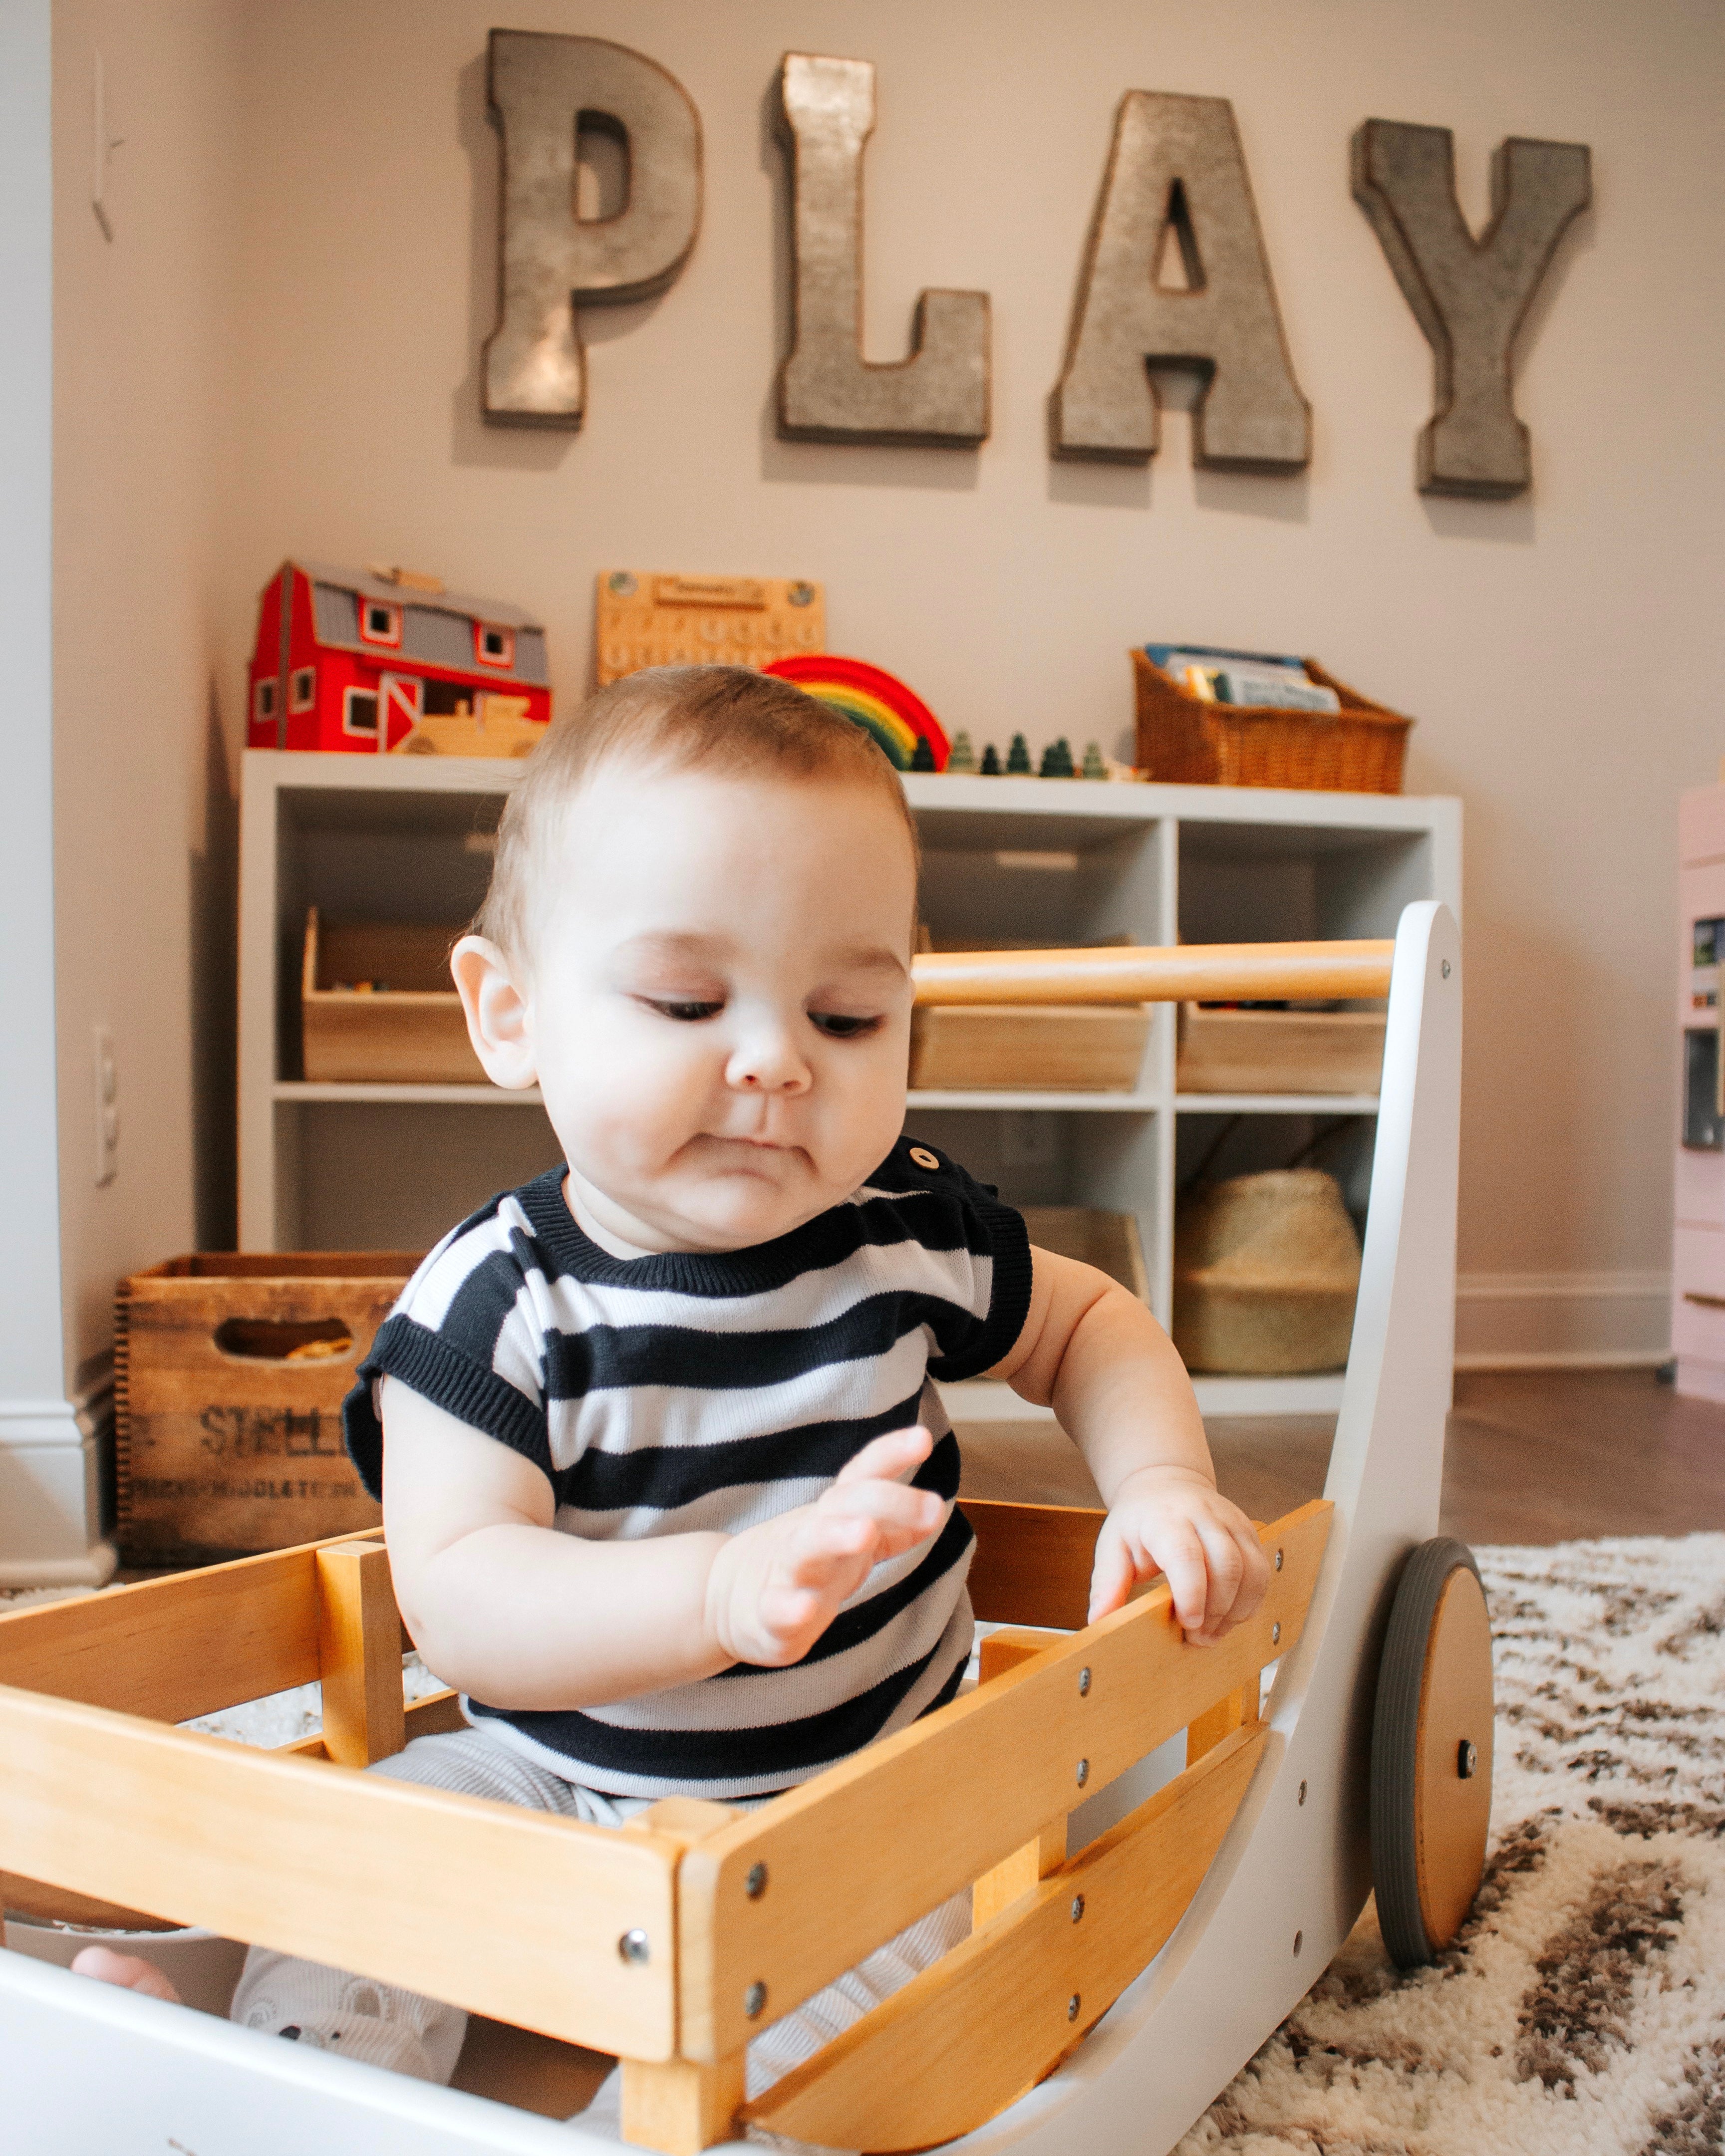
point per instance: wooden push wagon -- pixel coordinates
(1106, 1991)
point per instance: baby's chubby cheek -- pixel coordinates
(629, 1114)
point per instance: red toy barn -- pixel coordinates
(349, 658)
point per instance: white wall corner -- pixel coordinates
(1559, 1321)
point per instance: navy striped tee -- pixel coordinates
(685, 1391)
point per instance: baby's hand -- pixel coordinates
(773, 1589)
(126, 1970)
(1169, 1520)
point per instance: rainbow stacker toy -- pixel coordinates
(1165, 1850)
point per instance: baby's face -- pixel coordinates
(718, 1001)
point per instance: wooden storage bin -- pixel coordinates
(411, 1032)
(1031, 1047)
(1185, 742)
(1271, 1051)
(229, 1377)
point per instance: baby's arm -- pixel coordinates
(503, 1606)
(1092, 1352)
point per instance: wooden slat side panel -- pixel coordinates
(1217, 1722)
(434, 1716)
(1019, 1738)
(359, 1655)
(1010, 1881)
(969, 2035)
(1004, 1650)
(171, 1649)
(1033, 1562)
(679, 2108)
(355, 1870)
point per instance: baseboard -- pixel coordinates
(1619, 1320)
(1562, 1321)
(50, 1504)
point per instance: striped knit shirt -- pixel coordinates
(685, 1391)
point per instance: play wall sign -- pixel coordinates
(1175, 197)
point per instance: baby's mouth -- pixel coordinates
(749, 1151)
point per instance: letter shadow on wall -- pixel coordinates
(832, 464)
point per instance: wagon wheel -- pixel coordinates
(1431, 1754)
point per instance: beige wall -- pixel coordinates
(1560, 653)
(144, 829)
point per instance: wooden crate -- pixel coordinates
(1031, 1047)
(229, 1377)
(405, 1028)
(1271, 1051)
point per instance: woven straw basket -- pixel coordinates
(1266, 1269)
(1184, 741)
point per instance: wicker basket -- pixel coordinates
(1184, 741)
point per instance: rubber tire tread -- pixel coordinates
(1395, 1757)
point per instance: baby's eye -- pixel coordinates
(837, 1027)
(687, 1013)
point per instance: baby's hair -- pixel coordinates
(726, 719)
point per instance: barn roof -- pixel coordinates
(365, 585)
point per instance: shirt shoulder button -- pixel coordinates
(923, 1157)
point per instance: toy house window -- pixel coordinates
(359, 712)
(493, 646)
(263, 699)
(302, 688)
(379, 622)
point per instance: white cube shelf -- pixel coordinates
(352, 1166)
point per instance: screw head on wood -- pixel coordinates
(1077, 1907)
(1446, 969)
(755, 1886)
(1467, 1759)
(1275, 1633)
(754, 1999)
(1083, 1772)
(1278, 1560)
(634, 1947)
(1083, 1684)
(1072, 2007)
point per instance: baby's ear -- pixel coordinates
(496, 1012)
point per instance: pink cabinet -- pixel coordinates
(1698, 1245)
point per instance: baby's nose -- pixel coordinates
(768, 1063)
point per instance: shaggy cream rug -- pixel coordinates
(1582, 2007)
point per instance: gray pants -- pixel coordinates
(386, 2026)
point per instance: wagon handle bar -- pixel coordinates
(1184, 972)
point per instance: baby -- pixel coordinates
(668, 1486)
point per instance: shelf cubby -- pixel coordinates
(1051, 861)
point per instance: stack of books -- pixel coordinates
(1259, 678)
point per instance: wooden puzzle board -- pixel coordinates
(649, 620)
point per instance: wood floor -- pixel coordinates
(1533, 1456)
